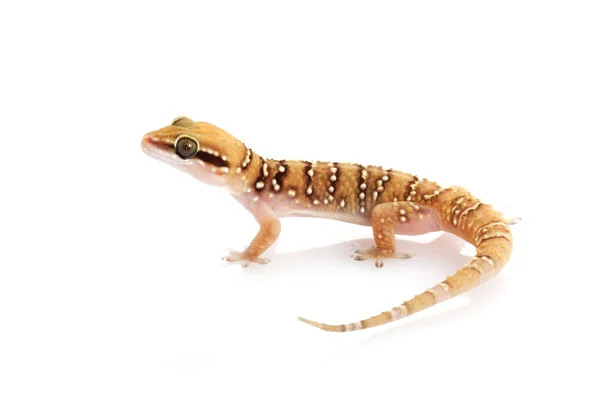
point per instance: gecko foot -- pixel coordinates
(378, 254)
(241, 257)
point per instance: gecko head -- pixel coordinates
(200, 149)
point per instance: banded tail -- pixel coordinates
(471, 220)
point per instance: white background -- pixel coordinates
(111, 284)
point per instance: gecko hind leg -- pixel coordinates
(400, 217)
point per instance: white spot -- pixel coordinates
(255, 199)
(441, 292)
(402, 212)
(333, 170)
(331, 198)
(276, 188)
(309, 190)
(364, 174)
(315, 201)
(385, 178)
(265, 169)
(292, 192)
(486, 269)
(399, 312)
(402, 219)
(274, 182)
(362, 209)
(224, 158)
(488, 260)
(281, 168)
(260, 185)
(331, 189)
(310, 173)
(374, 196)
(342, 203)
(361, 196)
(333, 178)
(238, 170)
(325, 201)
(355, 326)
(363, 186)
(247, 160)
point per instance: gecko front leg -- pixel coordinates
(270, 227)
(400, 217)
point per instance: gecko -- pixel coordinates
(389, 201)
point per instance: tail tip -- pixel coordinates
(310, 322)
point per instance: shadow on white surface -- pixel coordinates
(336, 274)
(444, 249)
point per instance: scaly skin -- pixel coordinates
(391, 202)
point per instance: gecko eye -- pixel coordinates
(186, 147)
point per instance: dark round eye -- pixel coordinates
(186, 147)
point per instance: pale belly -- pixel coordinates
(358, 218)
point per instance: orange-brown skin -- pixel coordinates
(391, 202)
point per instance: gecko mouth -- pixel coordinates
(155, 151)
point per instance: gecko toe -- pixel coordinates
(401, 256)
(242, 258)
(378, 254)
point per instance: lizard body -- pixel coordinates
(390, 201)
